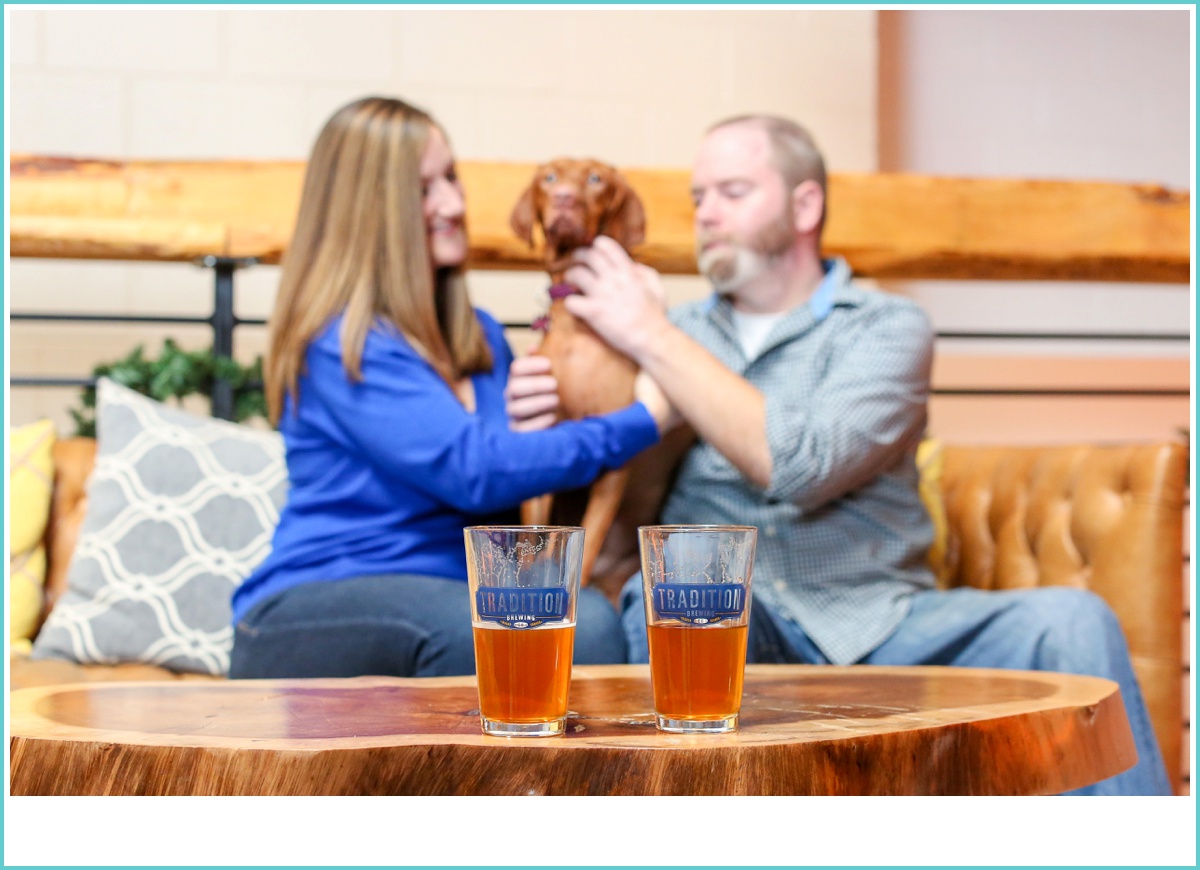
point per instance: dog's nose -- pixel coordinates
(563, 196)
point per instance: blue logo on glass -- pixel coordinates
(521, 608)
(699, 603)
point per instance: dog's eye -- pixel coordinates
(550, 178)
(595, 178)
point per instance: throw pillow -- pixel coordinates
(929, 467)
(30, 485)
(180, 509)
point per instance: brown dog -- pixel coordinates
(572, 202)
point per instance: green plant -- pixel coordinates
(174, 374)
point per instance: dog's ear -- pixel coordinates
(523, 215)
(626, 218)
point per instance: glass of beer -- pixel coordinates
(696, 581)
(524, 582)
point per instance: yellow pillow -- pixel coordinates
(929, 466)
(30, 483)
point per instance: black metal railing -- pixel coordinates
(223, 322)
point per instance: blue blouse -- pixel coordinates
(386, 472)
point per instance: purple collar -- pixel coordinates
(557, 291)
(562, 291)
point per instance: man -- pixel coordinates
(808, 396)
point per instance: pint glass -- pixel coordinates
(696, 581)
(524, 582)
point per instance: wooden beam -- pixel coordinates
(911, 226)
(886, 225)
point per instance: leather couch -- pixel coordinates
(1107, 518)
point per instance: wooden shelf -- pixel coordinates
(886, 225)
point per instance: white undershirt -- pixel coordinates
(752, 329)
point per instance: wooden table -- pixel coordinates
(804, 730)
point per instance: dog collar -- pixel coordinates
(557, 291)
(562, 291)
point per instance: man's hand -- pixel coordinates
(531, 395)
(623, 301)
(625, 304)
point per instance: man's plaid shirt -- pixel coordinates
(843, 535)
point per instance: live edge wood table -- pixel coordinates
(804, 731)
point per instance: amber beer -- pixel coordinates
(524, 587)
(696, 673)
(523, 675)
(696, 583)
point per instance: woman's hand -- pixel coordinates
(531, 395)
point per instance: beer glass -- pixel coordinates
(524, 582)
(696, 581)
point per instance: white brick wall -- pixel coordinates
(52, 108)
(507, 83)
(131, 41)
(1085, 94)
(635, 87)
(310, 46)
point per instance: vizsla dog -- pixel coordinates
(573, 201)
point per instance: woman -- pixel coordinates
(388, 389)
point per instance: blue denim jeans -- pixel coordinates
(395, 625)
(1048, 629)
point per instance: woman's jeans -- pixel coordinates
(1047, 629)
(395, 625)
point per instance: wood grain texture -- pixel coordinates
(805, 730)
(886, 225)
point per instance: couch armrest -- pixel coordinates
(73, 462)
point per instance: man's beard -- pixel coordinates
(738, 264)
(730, 269)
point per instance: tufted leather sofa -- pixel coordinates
(1105, 518)
(1109, 519)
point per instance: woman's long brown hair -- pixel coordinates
(360, 248)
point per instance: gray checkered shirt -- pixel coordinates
(843, 535)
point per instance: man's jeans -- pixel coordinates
(1048, 629)
(397, 625)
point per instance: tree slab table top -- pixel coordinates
(805, 730)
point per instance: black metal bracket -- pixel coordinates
(223, 321)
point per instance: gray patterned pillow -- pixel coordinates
(180, 509)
